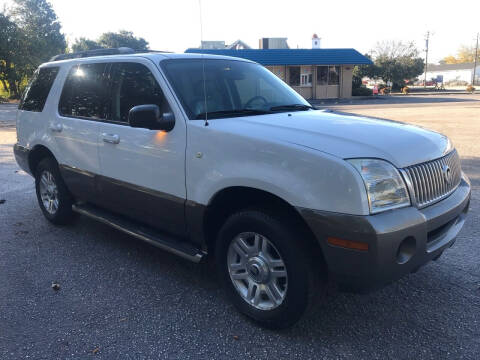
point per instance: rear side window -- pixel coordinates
(85, 93)
(37, 91)
(133, 84)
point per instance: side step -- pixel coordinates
(142, 232)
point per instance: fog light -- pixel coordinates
(406, 250)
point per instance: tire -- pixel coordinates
(52, 194)
(294, 293)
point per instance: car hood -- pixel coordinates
(348, 136)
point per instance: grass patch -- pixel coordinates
(3, 93)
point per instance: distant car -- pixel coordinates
(200, 154)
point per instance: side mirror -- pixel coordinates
(149, 117)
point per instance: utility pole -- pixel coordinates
(426, 58)
(475, 63)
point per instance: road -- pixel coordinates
(120, 298)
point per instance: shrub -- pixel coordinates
(470, 89)
(3, 100)
(362, 91)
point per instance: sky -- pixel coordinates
(174, 25)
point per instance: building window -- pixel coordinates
(333, 75)
(294, 75)
(306, 79)
(328, 75)
(322, 75)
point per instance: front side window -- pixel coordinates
(229, 88)
(37, 91)
(133, 84)
(85, 92)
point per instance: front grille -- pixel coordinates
(434, 180)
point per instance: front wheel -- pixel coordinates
(265, 267)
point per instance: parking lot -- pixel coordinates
(121, 298)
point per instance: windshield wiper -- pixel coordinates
(232, 113)
(295, 107)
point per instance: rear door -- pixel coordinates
(83, 103)
(143, 171)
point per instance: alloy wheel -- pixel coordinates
(257, 270)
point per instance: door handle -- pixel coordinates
(111, 138)
(56, 127)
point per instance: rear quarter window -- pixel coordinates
(37, 91)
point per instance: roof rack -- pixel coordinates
(99, 52)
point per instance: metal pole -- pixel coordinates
(426, 60)
(475, 63)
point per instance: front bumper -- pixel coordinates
(399, 241)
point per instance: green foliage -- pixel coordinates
(111, 40)
(361, 91)
(122, 39)
(11, 52)
(361, 71)
(394, 62)
(29, 35)
(84, 44)
(397, 62)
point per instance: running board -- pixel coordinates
(142, 232)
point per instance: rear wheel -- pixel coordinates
(266, 269)
(53, 196)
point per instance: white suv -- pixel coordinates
(200, 154)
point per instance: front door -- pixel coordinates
(142, 171)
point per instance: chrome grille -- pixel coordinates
(434, 180)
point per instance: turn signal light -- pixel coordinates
(348, 244)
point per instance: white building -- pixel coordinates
(455, 74)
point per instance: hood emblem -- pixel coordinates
(447, 174)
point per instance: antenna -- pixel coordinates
(203, 65)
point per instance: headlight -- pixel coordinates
(385, 187)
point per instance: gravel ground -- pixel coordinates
(121, 298)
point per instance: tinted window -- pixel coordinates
(133, 84)
(37, 91)
(85, 93)
(228, 86)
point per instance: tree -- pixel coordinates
(34, 38)
(10, 40)
(122, 39)
(465, 54)
(84, 44)
(361, 71)
(395, 62)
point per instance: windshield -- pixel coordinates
(233, 88)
